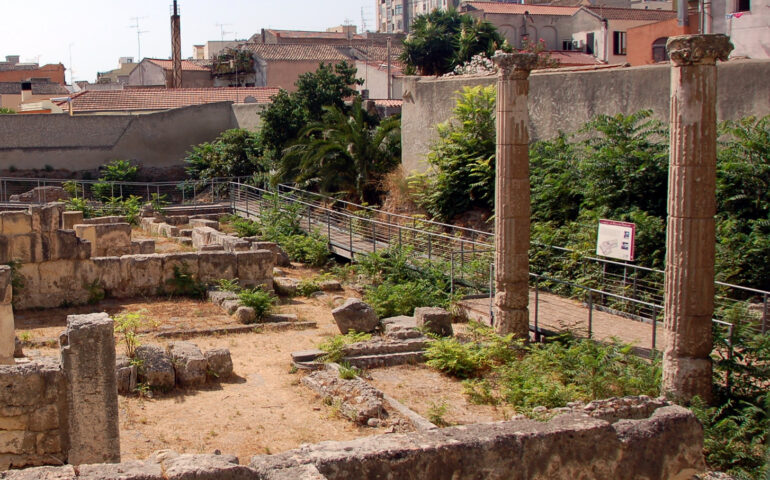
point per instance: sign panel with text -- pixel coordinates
(616, 240)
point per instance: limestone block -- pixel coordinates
(186, 232)
(235, 244)
(70, 219)
(355, 315)
(109, 273)
(285, 286)
(5, 249)
(400, 328)
(16, 223)
(17, 442)
(216, 265)
(217, 297)
(202, 236)
(177, 220)
(189, 363)
(166, 230)
(200, 222)
(245, 315)
(48, 443)
(220, 363)
(105, 220)
(25, 248)
(61, 282)
(18, 350)
(30, 295)
(44, 418)
(212, 248)
(141, 274)
(7, 337)
(281, 257)
(125, 375)
(433, 319)
(6, 290)
(230, 306)
(183, 261)
(107, 239)
(254, 267)
(51, 217)
(64, 245)
(88, 363)
(157, 370)
(330, 285)
(142, 247)
(41, 195)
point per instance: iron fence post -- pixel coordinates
(39, 193)
(374, 238)
(121, 190)
(462, 259)
(491, 294)
(537, 308)
(590, 313)
(452, 273)
(764, 315)
(728, 374)
(350, 232)
(329, 226)
(429, 246)
(399, 237)
(654, 328)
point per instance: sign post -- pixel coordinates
(616, 240)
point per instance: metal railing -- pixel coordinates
(183, 192)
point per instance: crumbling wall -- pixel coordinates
(35, 236)
(107, 239)
(55, 412)
(667, 444)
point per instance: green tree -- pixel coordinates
(235, 153)
(343, 152)
(6, 111)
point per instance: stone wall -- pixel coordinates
(53, 413)
(564, 101)
(667, 444)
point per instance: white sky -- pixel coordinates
(98, 32)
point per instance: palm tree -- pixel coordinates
(431, 46)
(344, 152)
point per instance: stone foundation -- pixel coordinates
(667, 444)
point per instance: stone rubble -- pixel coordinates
(356, 315)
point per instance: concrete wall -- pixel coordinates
(376, 81)
(749, 32)
(566, 100)
(86, 142)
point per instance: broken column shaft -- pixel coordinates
(512, 208)
(691, 238)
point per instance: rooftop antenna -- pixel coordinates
(363, 21)
(139, 33)
(222, 31)
(72, 70)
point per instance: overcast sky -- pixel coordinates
(98, 32)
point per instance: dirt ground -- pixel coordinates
(162, 244)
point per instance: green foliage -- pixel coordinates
(234, 153)
(82, 205)
(159, 202)
(335, 346)
(127, 326)
(436, 413)
(184, 283)
(311, 249)
(308, 286)
(119, 171)
(96, 292)
(466, 359)
(227, 285)
(463, 157)
(244, 227)
(343, 152)
(7, 111)
(232, 61)
(442, 39)
(261, 301)
(390, 299)
(347, 372)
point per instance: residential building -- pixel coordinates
(154, 72)
(149, 100)
(12, 70)
(396, 16)
(747, 22)
(119, 75)
(281, 65)
(15, 94)
(211, 49)
(618, 22)
(338, 36)
(647, 43)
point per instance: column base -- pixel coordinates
(685, 378)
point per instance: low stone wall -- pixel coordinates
(107, 239)
(53, 413)
(73, 282)
(667, 444)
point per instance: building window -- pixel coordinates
(659, 52)
(742, 5)
(619, 43)
(566, 45)
(399, 10)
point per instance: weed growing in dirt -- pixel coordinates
(227, 285)
(127, 326)
(348, 372)
(261, 301)
(25, 336)
(335, 346)
(185, 284)
(308, 286)
(244, 227)
(436, 413)
(95, 292)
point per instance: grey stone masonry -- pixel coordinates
(88, 361)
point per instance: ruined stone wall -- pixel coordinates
(33, 427)
(35, 236)
(667, 444)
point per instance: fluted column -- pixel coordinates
(512, 209)
(691, 238)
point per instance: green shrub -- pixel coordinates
(185, 284)
(127, 326)
(261, 301)
(347, 372)
(390, 299)
(335, 346)
(244, 227)
(308, 286)
(310, 249)
(80, 204)
(227, 285)
(465, 359)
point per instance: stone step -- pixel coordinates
(257, 327)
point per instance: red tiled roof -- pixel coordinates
(143, 99)
(518, 9)
(568, 58)
(612, 13)
(296, 52)
(380, 102)
(186, 65)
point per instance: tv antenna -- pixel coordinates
(222, 31)
(139, 33)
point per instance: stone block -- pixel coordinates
(435, 320)
(157, 370)
(65, 245)
(51, 217)
(177, 220)
(400, 328)
(213, 247)
(141, 275)
(15, 223)
(18, 350)
(220, 363)
(230, 306)
(245, 315)
(281, 258)
(17, 442)
(6, 289)
(61, 283)
(184, 262)
(25, 248)
(216, 265)
(70, 219)
(187, 233)
(48, 443)
(109, 273)
(285, 286)
(44, 418)
(235, 244)
(142, 247)
(126, 378)
(202, 236)
(200, 222)
(189, 363)
(355, 315)
(330, 285)
(166, 230)
(254, 267)
(41, 195)
(187, 242)
(218, 296)
(107, 239)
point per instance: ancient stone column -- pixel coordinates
(512, 209)
(88, 362)
(691, 238)
(7, 327)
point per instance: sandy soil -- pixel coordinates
(162, 244)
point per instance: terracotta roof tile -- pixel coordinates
(611, 13)
(568, 58)
(297, 52)
(163, 99)
(310, 34)
(518, 9)
(186, 65)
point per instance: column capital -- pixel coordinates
(514, 65)
(698, 49)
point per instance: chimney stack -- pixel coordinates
(176, 48)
